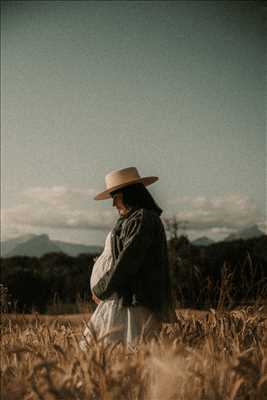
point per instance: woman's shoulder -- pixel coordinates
(143, 216)
(144, 222)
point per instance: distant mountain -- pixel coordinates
(246, 233)
(38, 245)
(8, 245)
(202, 241)
(35, 247)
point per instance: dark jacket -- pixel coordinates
(140, 271)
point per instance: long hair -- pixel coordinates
(137, 195)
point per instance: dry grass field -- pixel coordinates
(213, 355)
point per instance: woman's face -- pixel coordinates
(119, 204)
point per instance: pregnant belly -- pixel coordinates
(100, 268)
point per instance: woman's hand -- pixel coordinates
(96, 299)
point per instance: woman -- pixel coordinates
(130, 280)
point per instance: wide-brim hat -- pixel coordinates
(123, 177)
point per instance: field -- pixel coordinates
(206, 355)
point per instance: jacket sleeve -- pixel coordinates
(138, 238)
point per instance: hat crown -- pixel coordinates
(121, 176)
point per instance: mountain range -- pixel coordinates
(246, 233)
(202, 241)
(37, 245)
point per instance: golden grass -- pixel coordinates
(206, 355)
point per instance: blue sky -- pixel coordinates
(173, 88)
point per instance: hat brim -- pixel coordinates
(148, 180)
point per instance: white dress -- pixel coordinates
(113, 320)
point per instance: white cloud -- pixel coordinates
(59, 195)
(220, 231)
(60, 207)
(219, 214)
(26, 215)
(57, 207)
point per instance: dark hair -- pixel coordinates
(137, 195)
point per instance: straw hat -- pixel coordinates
(121, 178)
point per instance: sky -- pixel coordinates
(176, 89)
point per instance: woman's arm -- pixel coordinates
(136, 243)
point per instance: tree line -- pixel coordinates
(223, 274)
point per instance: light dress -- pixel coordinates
(125, 324)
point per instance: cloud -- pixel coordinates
(58, 218)
(60, 207)
(59, 195)
(220, 214)
(57, 207)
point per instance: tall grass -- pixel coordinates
(214, 355)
